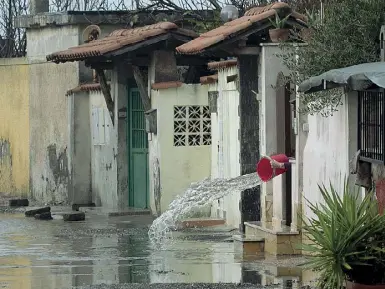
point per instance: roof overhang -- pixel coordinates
(144, 39)
(255, 23)
(356, 77)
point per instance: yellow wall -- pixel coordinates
(179, 165)
(14, 126)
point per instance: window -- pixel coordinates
(100, 126)
(192, 125)
(371, 120)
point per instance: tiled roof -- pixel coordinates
(116, 40)
(209, 79)
(166, 85)
(222, 64)
(232, 28)
(87, 87)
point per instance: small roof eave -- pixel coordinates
(255, 21)
(123, 41)
(356, 77)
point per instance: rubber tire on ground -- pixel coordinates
(74, 217)
(43, 216)
(32, 213)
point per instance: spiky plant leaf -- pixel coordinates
(346, 237)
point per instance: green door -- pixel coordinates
(137, 152)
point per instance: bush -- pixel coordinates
(347, 239)
(348, 35)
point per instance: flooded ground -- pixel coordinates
(116, 250)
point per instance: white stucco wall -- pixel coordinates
(269, 68)
(50, 167)
(330, 145)
(103, 160)
(225, 146)
(50, 175)
(179, 165)
(214, 137)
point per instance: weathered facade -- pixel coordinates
(14, 127)
(263, 120)
(51, 174)
(180, 152)
(130, 142)
(224, 97)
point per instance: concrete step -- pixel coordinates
(250, 245)
(247, 247)
(277, 242)
(116, 213)
(130, 212)
(248, 239)
(199, 223)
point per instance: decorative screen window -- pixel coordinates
(192, 125)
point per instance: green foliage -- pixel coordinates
(313, 18)
(348, 35)
(278, 22)
(347, 239)
(200, 25)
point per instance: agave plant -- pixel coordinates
(313, 18)
(347, 239)
(278, 22)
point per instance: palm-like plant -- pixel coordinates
(347, 239)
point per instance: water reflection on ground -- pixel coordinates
(53, 254)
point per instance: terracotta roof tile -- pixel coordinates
(209, 79)
(86, 87)
(252, 16)
(116, 40)
(260, 9)
(166, 85)
(222, 64)
(277, 5)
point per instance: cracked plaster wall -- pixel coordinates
(104, 162)
(331, 144)
(14, 128)
(50, 174)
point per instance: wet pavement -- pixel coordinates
(114, 252)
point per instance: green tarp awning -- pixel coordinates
(356, 77)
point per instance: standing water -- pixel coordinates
(196, 196)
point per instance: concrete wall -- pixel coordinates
(225, 145)
(14, 127)
(79, 147)
(50, 175)
(270, 67)
(120, 95)
(179, 166)
(330, 145)
(103, 161)
(99, 170)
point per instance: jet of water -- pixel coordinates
(197, 195)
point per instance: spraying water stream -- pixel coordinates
(196, 196)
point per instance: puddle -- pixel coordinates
(53, 254)
(198, 195)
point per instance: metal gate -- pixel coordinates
(138, 180)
